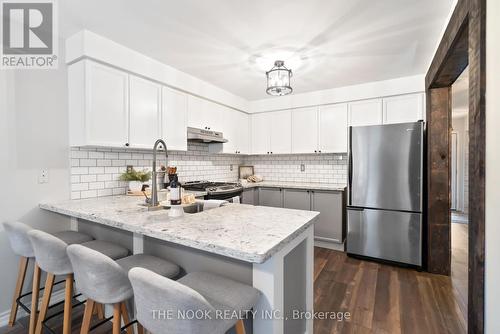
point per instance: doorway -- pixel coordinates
(459, 189)
(463, 44)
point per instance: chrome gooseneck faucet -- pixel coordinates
(154, 187)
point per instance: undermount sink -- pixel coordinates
(188, 208)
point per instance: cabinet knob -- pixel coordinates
(127, 144)
(319, 151)
(267, 152)
(315, 151)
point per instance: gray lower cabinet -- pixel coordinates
(271, 197)
(248, 196)
(330, 224)
(299, 199)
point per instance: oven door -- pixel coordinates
(230, 196)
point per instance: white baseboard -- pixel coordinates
(57, 296)
(330, 245)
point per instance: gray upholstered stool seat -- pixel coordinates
(73, 237)
(153, 263)
(105, 281)
(195, 291)
(233, 294)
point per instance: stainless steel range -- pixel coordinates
(215, 190)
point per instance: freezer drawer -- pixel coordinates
(388, 235)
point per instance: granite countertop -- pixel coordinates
(244, 232)
(297, 185)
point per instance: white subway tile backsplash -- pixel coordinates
(99, 175)
(87, 162)
(88, 178)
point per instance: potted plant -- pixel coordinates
(135, 179)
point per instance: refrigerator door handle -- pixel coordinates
(355, 209)
(349, 168)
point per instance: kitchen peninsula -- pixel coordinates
(256, 245)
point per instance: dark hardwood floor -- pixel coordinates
(384, 299)
(380, 298)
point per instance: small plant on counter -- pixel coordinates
(135, 178)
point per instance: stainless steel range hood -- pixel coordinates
(205, 136)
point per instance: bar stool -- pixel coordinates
(17, 233)
(51, 257)
(195, 291)
(103, 280)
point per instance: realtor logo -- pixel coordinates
(29, 39)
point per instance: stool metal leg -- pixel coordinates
(240, 327)
(117, 321)
(68, 304)
(47, 293)
(87, 316)
(34, 299)
(23, 265)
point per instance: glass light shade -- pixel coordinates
(278, 79)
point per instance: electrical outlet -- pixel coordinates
(231, 168)
(302, 167)
(43, 177)
(129, 168)
(341, 157)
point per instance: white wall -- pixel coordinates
(33, 135)
(492, 293)
(459, 125)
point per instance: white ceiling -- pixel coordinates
(336, 42)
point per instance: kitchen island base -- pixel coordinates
(285, 279)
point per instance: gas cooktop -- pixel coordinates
(214, 188)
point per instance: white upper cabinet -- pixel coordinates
(305, 130)
(204, 114)
(333, 128)
(367, 112)
(234, 127)
(281, 132)
(98, 105)
(261, 133)
(174, 119)
(145, 112)
(404, 108)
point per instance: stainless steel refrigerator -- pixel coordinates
(384, 207)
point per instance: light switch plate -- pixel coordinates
(43, 177)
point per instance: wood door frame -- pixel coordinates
(463, 43)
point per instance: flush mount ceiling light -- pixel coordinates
(278, 79)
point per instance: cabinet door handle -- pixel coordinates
(127, 144)
(315, 151)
